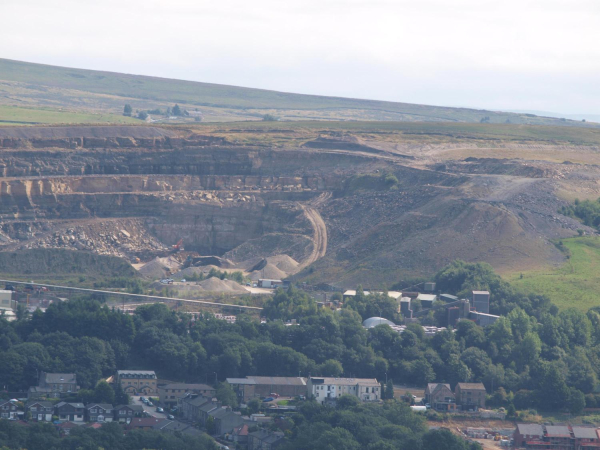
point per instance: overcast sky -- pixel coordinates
(494, 54)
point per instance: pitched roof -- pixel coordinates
(57, 378)
(138, 408)
(558, 430)
(585, 433)
(471, 386)
(209, 406)
(530, 429)
(143, 422)
(432, 387)
(287, 381)
(241, 431)
(101, 405)
(346, 381)
(45, 404)
(222, 412)
(74, 405)
(200, 387)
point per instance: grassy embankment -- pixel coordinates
(576, 284)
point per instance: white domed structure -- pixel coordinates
(372, 322)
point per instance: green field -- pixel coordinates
(12, 115)
(576, 284)
(76, 88)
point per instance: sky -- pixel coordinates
(504, 55)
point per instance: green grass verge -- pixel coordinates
(576, 284)
(14, 115)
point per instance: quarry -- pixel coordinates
(308, 204)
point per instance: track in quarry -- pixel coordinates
(134, 192)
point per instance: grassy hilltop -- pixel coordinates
(31, 85)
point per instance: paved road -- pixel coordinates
(149, 409)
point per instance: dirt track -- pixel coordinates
(319, 236)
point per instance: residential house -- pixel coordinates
(329, 388)
(205, 410)
(260, 387)
(470, 395)
(440, 397)
(225, 420)
(189, 406)
(239, 435)
(8, 409)
(143, 423)
(558, 437)
(125, 413)
(264, 440)
(586, 438)
(527, 432)
(54, 385)
(99, 412)
(41, 411)
(64, 428)
(174, 426)
(70, 412)
(137, 381)
(170, 393)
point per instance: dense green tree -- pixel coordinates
(127, 110)
(226, 395)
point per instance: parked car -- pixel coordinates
(171, 417)
(274, 395)
(268, 399)
(183, 280)
(159, 409)
(142, 399)
(150, 403)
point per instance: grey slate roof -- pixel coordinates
(530, 429)
(290, 381)
(44, 404)
(57, 378)
(104, 406)
(431, 387)
(585, 433)
(137, 408)
(557, 430)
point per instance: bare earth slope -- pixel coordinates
(345, 214)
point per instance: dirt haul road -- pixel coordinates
(319, 237)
